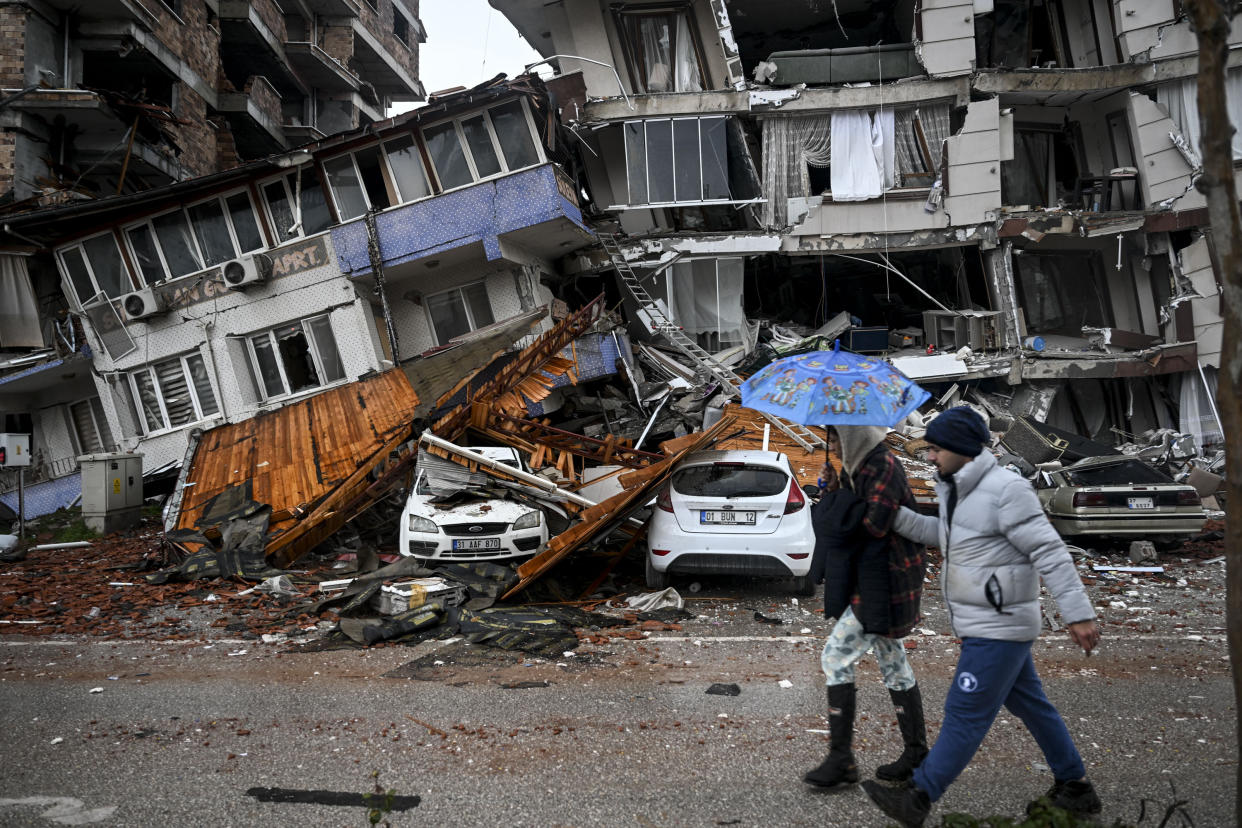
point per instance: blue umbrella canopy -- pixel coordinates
(833, 388)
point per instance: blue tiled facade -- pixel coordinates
(45, 498)
(480, 213)
(597, 357)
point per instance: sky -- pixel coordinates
(467, 42)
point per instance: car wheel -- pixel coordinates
(804, 586)
(655, 578)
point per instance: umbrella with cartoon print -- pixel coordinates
(833, 388)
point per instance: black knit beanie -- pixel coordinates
(960, 430)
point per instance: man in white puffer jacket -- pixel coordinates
(996, 544)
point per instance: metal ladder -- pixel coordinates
(702, 359)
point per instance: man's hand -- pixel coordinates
(1085, 634)
(829, 481)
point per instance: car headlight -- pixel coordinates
(421, 524)
(530, 520)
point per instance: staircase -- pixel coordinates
(700, 359)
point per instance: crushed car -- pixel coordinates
(1119, 497)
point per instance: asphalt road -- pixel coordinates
(619, 733)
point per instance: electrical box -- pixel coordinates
(951, 330)
(111, 491)
(14, 450)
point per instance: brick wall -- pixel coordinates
(198, 44)
(271, 16)
(8, 160)
(13, 54)
(226, 148)
(338, 41)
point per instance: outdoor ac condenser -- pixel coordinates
(240, 274)
(142, 303)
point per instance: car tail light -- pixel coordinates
(660, 552)
(796, 499)
(797, 556)
(1090, 499)
(1188, 497)
(665, 500)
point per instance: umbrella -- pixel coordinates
(833, 388)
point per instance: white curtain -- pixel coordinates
(1180, 99)
(935, 121)
(856, 175)
(882, 144)
(687, 63)
(705, 299)
(668, 50)
(1195, 410)
(789, 146)
(19, 312)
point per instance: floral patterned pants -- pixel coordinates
(847, 644)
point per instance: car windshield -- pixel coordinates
(423, 488)
(1124, 473)
(730, 480)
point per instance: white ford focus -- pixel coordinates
(731, 513)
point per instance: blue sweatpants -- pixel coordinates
(991, 673)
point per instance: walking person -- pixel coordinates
(873, 581)
(997, 544)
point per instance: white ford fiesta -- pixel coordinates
(731, 513)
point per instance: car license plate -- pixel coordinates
(477, 543)
(1140, 503)
(723, 518)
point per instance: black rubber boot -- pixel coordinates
(838, 769)
(1077, 796)
(909, 806)
(909, 705)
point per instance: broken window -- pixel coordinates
(1179, 98)
(704, 298)
(202, 235)
(90, 426)
(662, 51)
(173, 393)
(295, 357)
(400, 26)
(95, 266)
(498, 140)
(799, 156)
(677, 160)
(1044, 169)
(359, 181)
(406, 165)
(300, 188)
(1062, 293)
(459, 311)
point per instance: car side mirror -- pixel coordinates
(811, 490)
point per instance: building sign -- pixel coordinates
(300, 256)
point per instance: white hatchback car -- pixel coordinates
(476, 529)
(731, 513)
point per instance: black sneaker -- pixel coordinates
(909, 806)
(1077, 796)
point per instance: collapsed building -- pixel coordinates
(999, 196)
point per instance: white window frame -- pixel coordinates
(283, 178)
(257, 369)
(73, 424)
(460, 290)
(541, 158)
(135, 392)
(222, 201)
(390, 180)
(90, 269)
(699, 202)
(149, 223)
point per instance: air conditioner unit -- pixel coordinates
(143, 303)
(240, 274)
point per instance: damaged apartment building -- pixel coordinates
(996, 194)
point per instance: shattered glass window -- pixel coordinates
(1125, 473)
(280, 194)
(74, 266)
(282, 213)
(513, 133)
(142, 243)
(447, 156)
(296, 357)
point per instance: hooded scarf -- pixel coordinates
(856, 443)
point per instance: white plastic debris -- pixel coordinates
(649, 601)
(58, 740)
(238, 653)
(96, 689)
(785, 683)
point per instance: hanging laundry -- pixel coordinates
(856, 176)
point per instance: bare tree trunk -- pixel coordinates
(1210, 19)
